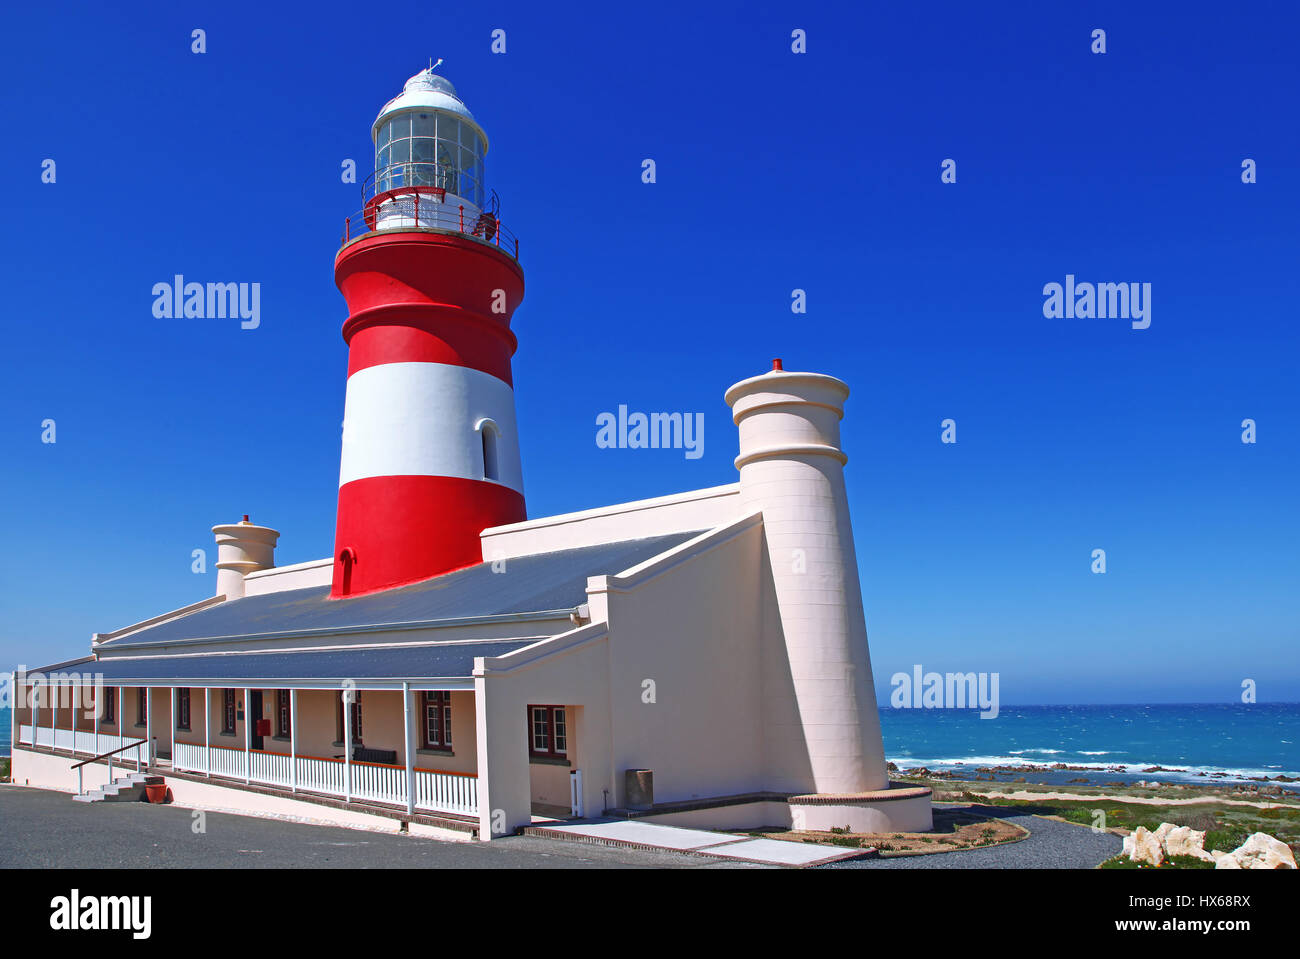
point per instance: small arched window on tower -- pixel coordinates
(490, 436)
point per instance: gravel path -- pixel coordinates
(1051, 845)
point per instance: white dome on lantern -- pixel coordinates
(427, 90)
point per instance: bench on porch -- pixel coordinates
(364, 754)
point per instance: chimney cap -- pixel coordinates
(776, 364)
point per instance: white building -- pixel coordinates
(698, 658)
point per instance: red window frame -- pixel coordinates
(435, 729)
(548, 732)
(356, 718)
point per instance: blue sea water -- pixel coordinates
(1224, 742)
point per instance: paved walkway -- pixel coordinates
(637, 833)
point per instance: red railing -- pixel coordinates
(409, 208)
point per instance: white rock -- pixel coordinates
(1184, 841)
(1260, 851)
(1146, 847)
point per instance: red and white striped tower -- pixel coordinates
(430, 450)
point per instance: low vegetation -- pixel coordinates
(1225, 826)
(955, 827)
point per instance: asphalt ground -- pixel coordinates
(42, 829)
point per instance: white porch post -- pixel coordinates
(99, 707)
(119, 713)
(174, 724)
(293, 740)
(148, 725)
(72, 709)
(54, 716)
(409, 749)
(347, 745)
(207, 731)
(248, 739)
(13, 727)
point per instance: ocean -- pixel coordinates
(1212, 742)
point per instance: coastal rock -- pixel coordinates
(1185, 841)
(1259, 851)
(1143, 846)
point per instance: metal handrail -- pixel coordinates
(109, 756)
(111, 752)
(430, 215)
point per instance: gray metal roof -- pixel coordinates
(544, 582)
(307, 667)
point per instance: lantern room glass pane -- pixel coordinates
(448, 128)
(400, 151)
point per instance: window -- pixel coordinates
(142, 707)
(228, 712)
(183, 708)
(356, 717)
(437, 720)
(109, 704)
(548, 732)
(282, 713)
(430, 149)
(491, 464)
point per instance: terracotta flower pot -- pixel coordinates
(157, 792)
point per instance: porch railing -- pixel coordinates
(83, 742)
(434, 790)
(322, 776)
(446, 792)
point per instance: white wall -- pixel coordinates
(691, 621)
(316, 572)
(678, 513)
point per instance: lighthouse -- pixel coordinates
(431, 280)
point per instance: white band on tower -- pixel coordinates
(426, 419)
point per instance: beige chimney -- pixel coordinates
(242, 548)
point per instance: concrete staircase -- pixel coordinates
(128, 788)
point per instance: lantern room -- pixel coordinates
(429, 154)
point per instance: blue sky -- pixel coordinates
(775, 171)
